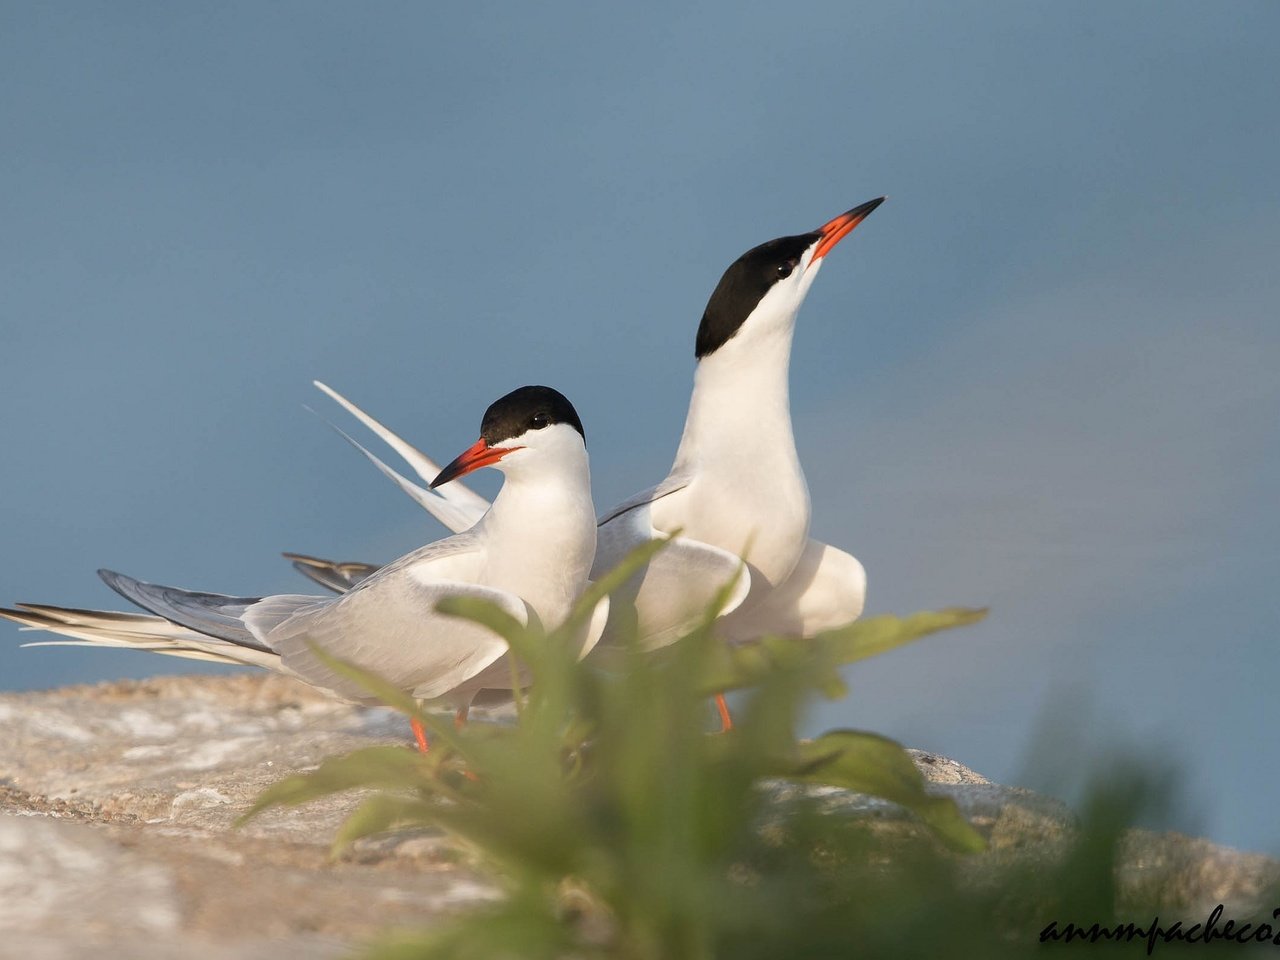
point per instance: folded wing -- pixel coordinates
(670, 596)
(827, 589)
(389, 624)
(393, 630)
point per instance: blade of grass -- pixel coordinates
(745, 665)
(389, 694)
(609, 584)
(380, 813)
(875, 765)
(382, 766)
(524, 640)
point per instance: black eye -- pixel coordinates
(785, 268)
(538, 421)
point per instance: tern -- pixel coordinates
(529, 553)
(736, 491)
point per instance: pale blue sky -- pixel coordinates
(1042, 376)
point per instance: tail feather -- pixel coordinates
(106, 628)
(456, 506)
(470, 505)
(135, 624)
(443, 510)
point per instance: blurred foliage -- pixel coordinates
(621, 829)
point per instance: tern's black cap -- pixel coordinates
(744, 285)
(754, 273)
(525, 409)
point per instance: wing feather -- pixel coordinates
(387, 623)
(214, 614)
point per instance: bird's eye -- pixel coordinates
(539, 421)
(785, 268)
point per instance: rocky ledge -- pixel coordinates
(117, 803)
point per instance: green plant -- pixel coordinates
(622, 829)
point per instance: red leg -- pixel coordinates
(726, 721)
(420, 735)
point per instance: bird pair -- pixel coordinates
(736, 494)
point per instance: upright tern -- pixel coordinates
(529, 553)
(736, 490)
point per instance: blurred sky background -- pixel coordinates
(1042, 377)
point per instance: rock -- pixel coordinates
(1190, 876)
(1185, 877)
(116, 839)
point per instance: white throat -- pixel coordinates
(540, 532)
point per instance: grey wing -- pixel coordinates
(341, 576)
(439, 559)
(214, 614)
(387, 623)
(390, 626)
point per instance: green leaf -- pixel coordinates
(390, 695)
(383, 766)
(875, 765)
(525, 641)
(747, 665)
(386, 692)
(876, 635)
(606, 784)
(521, 927)
(380, 813)
(609, 584)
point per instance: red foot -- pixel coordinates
(726, 721)
(420, 735)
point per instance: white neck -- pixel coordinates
(747, 493)
(541, 533)
(741, 395)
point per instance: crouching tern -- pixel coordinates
(529, 553)
(735, 492)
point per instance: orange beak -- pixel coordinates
(478, 455)
(836, 230)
